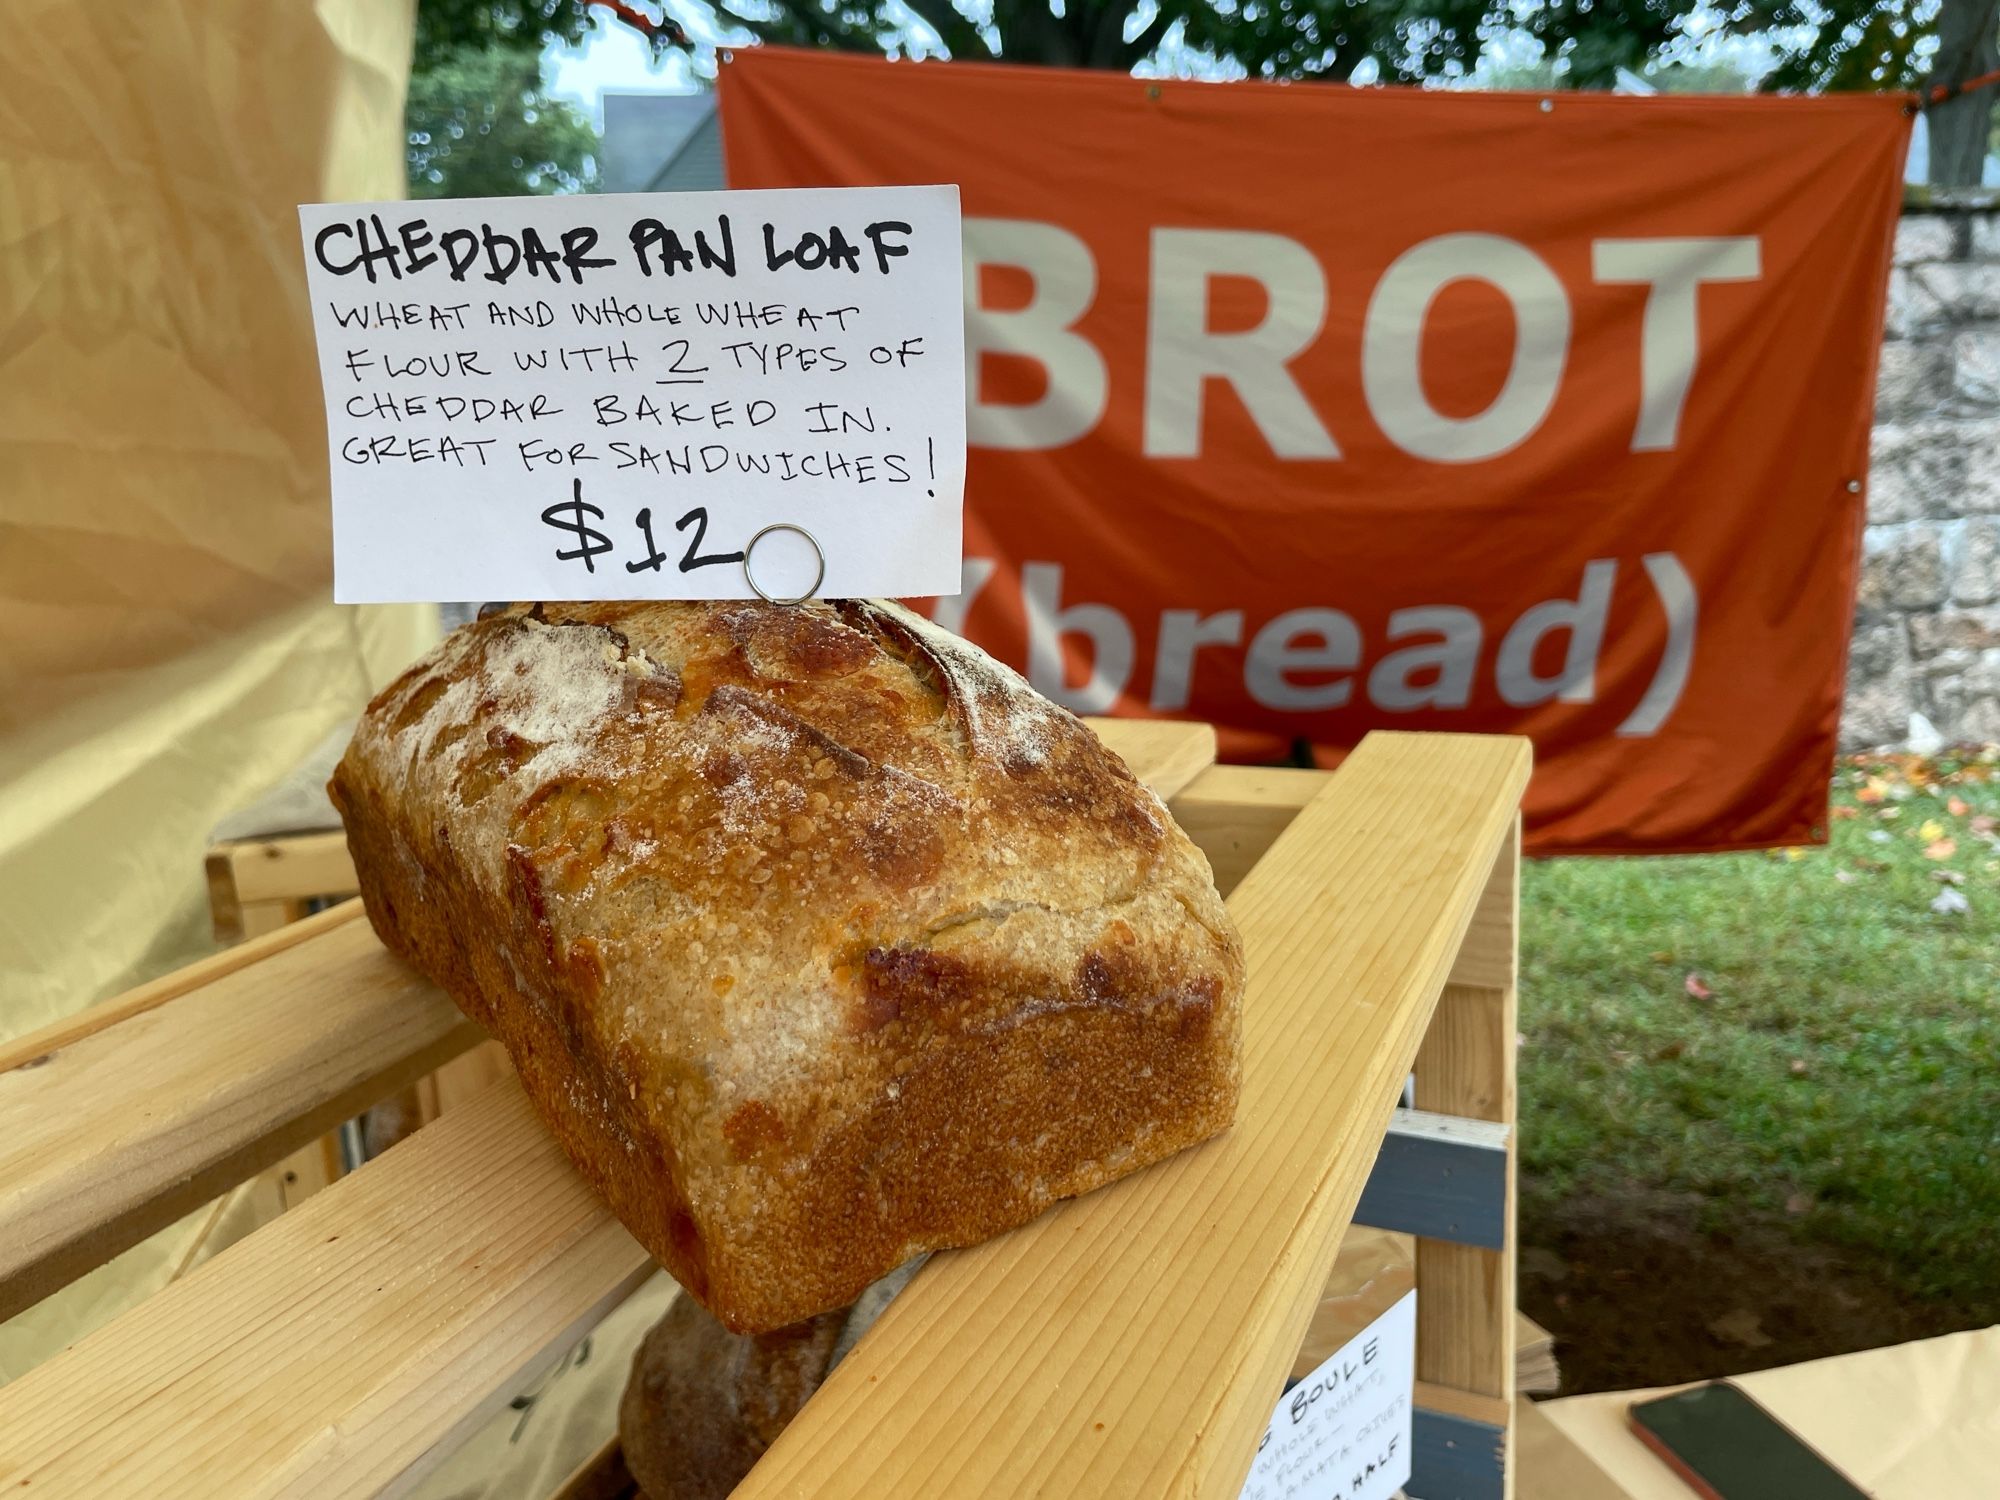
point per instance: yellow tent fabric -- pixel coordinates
(168, 648)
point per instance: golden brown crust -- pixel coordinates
(703, 1404)
(818, 938)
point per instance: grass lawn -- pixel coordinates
(1794, 1040)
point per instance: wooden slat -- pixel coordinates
(1465, 1294)
(467, 1255)
(342, 1349)
(1452, 1458)
(150, 1109)
(1442, 1176)
(52, 1038)
(257, 919)
(1163, 753)
(1488, 958)
(1457, 1403)
(1465, 1306)
(298, 866)
(1235, 813)
(1131, 1342)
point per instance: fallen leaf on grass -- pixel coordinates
(1889, 813)
(1843, 812)
(1941, 849)
(1984, 823)
(1799, 1068)
(1845, 877)
(1742, 1327)
(1539, 1264)
(1950, 902)
(1958, 807)
(1932, 831)
(1696, 988)
(1878, 835)
(1670, 1052)
(1799, 1203)
(1663, 956)
(1948, 877)
(1874, 791)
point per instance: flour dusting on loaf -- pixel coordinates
(818, 937)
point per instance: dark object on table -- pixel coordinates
(1727, 1447)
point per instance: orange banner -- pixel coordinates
(1311, 410)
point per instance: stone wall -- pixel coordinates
(1927, 623)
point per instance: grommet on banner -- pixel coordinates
(750, 578)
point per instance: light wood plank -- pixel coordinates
(50, 1039)
(259, 918)
(280, 1027)
(468, 1076)
(344, 1348)
(1457, 1403)
(298, 866)
(1489, 957)
(1235, 813)
(1164, 753)
(130, 1125)
(1132, 1342)
(1465, 1294)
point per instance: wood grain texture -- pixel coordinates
(149, 1110)
(299, 866)
(351, 1342)
(1489, 957)
(1163, 753)
(134, 1002)
(1132, 1342)
(1465, 1303)
(339, 1350)
(1235, 813)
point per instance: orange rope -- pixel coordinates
(644, 24)
(1948, 91)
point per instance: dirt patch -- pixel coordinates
(1638, 1295)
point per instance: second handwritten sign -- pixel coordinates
(608, 397)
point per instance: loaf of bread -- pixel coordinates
(703, 1403)
(818, 938)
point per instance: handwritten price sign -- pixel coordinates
(610, 397)
(1343, 1433)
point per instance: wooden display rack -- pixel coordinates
(1130, 1342)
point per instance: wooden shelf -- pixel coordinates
(1131, 1342)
